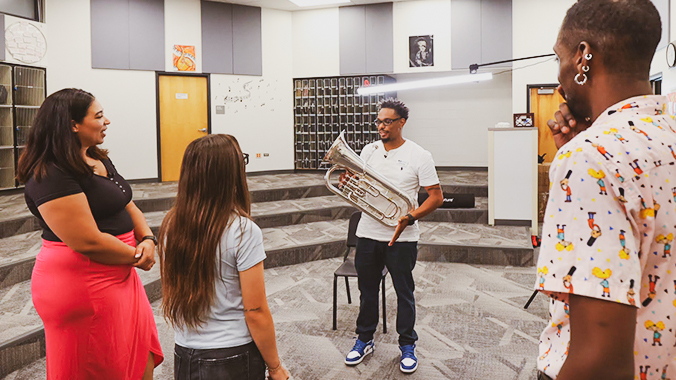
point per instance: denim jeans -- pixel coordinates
(370, 259)
(232, 363)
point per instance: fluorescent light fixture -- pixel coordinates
(314, 3)
(436, 82)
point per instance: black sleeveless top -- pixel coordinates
(107, 197)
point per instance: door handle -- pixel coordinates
(202, 130)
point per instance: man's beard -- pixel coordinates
(384, 139)
(579, 107)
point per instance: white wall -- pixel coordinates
(315, 43)
(263, 121)
(128, 97)
(182, 26)
(452, 122)
(659, 64)
(531, 38)
(420, 18)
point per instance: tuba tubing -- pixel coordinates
(366, 189)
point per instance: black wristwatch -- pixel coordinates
(411, 219)
(149, 237)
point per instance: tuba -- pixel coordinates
(368, 190)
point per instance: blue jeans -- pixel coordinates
(370, 259)
(232, 363)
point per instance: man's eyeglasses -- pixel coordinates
(387, 122)
(246, 158)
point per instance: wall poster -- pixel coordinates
(421, 51)
(184, 58)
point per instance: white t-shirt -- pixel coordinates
(240, 249)
(408, 167)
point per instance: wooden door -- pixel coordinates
(544, 105)
(184, 117)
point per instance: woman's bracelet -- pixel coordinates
(270, 369)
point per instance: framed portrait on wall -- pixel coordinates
(421, 51)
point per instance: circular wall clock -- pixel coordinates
(671, 54)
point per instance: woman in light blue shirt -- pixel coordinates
(211, 256)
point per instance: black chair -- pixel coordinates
(347, 269)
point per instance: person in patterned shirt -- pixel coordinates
(613, 315)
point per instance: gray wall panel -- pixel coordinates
(379, 38)
(21, 8)
(352, 30)
(146, 35)
(663, 7)
(247, 46)
(216, 38)
(110, 34)
(465, 33)
(496, 31)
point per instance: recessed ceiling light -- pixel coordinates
(314, 3)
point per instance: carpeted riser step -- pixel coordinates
(15, 272)
(517, 257)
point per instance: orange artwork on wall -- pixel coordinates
(184, 58)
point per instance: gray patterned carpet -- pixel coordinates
(471, 325)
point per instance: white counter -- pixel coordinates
(513, 176)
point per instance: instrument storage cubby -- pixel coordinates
(323, 107)
(22, 91)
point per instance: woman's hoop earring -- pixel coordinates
(585, 69)
(588, 57)
(581, 82)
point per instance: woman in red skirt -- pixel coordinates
(98, 321)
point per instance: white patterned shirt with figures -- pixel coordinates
(608, 229)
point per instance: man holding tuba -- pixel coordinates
(408, 166)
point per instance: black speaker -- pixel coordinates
(451, 200)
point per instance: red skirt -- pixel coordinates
(98, 321)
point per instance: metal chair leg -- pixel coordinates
(384, 308)
(347, 287)
(335, 302)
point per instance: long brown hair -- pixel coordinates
(211, 188)
(51, 139)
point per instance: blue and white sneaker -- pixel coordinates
(359, 351)
(409, 362)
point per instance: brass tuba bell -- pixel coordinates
(366, 189)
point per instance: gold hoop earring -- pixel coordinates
(582, 81)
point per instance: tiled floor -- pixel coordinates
(470, 322)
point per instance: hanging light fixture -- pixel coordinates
(425, 83)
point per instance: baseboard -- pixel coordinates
(439, 169)
(270, 172)
(513, 222)
(12, 191)
(143, 180)
(462, 168)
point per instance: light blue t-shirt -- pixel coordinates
(240, 249)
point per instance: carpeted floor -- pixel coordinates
(470, 322)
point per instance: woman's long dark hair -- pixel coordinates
(211, 188)
(51, 139)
